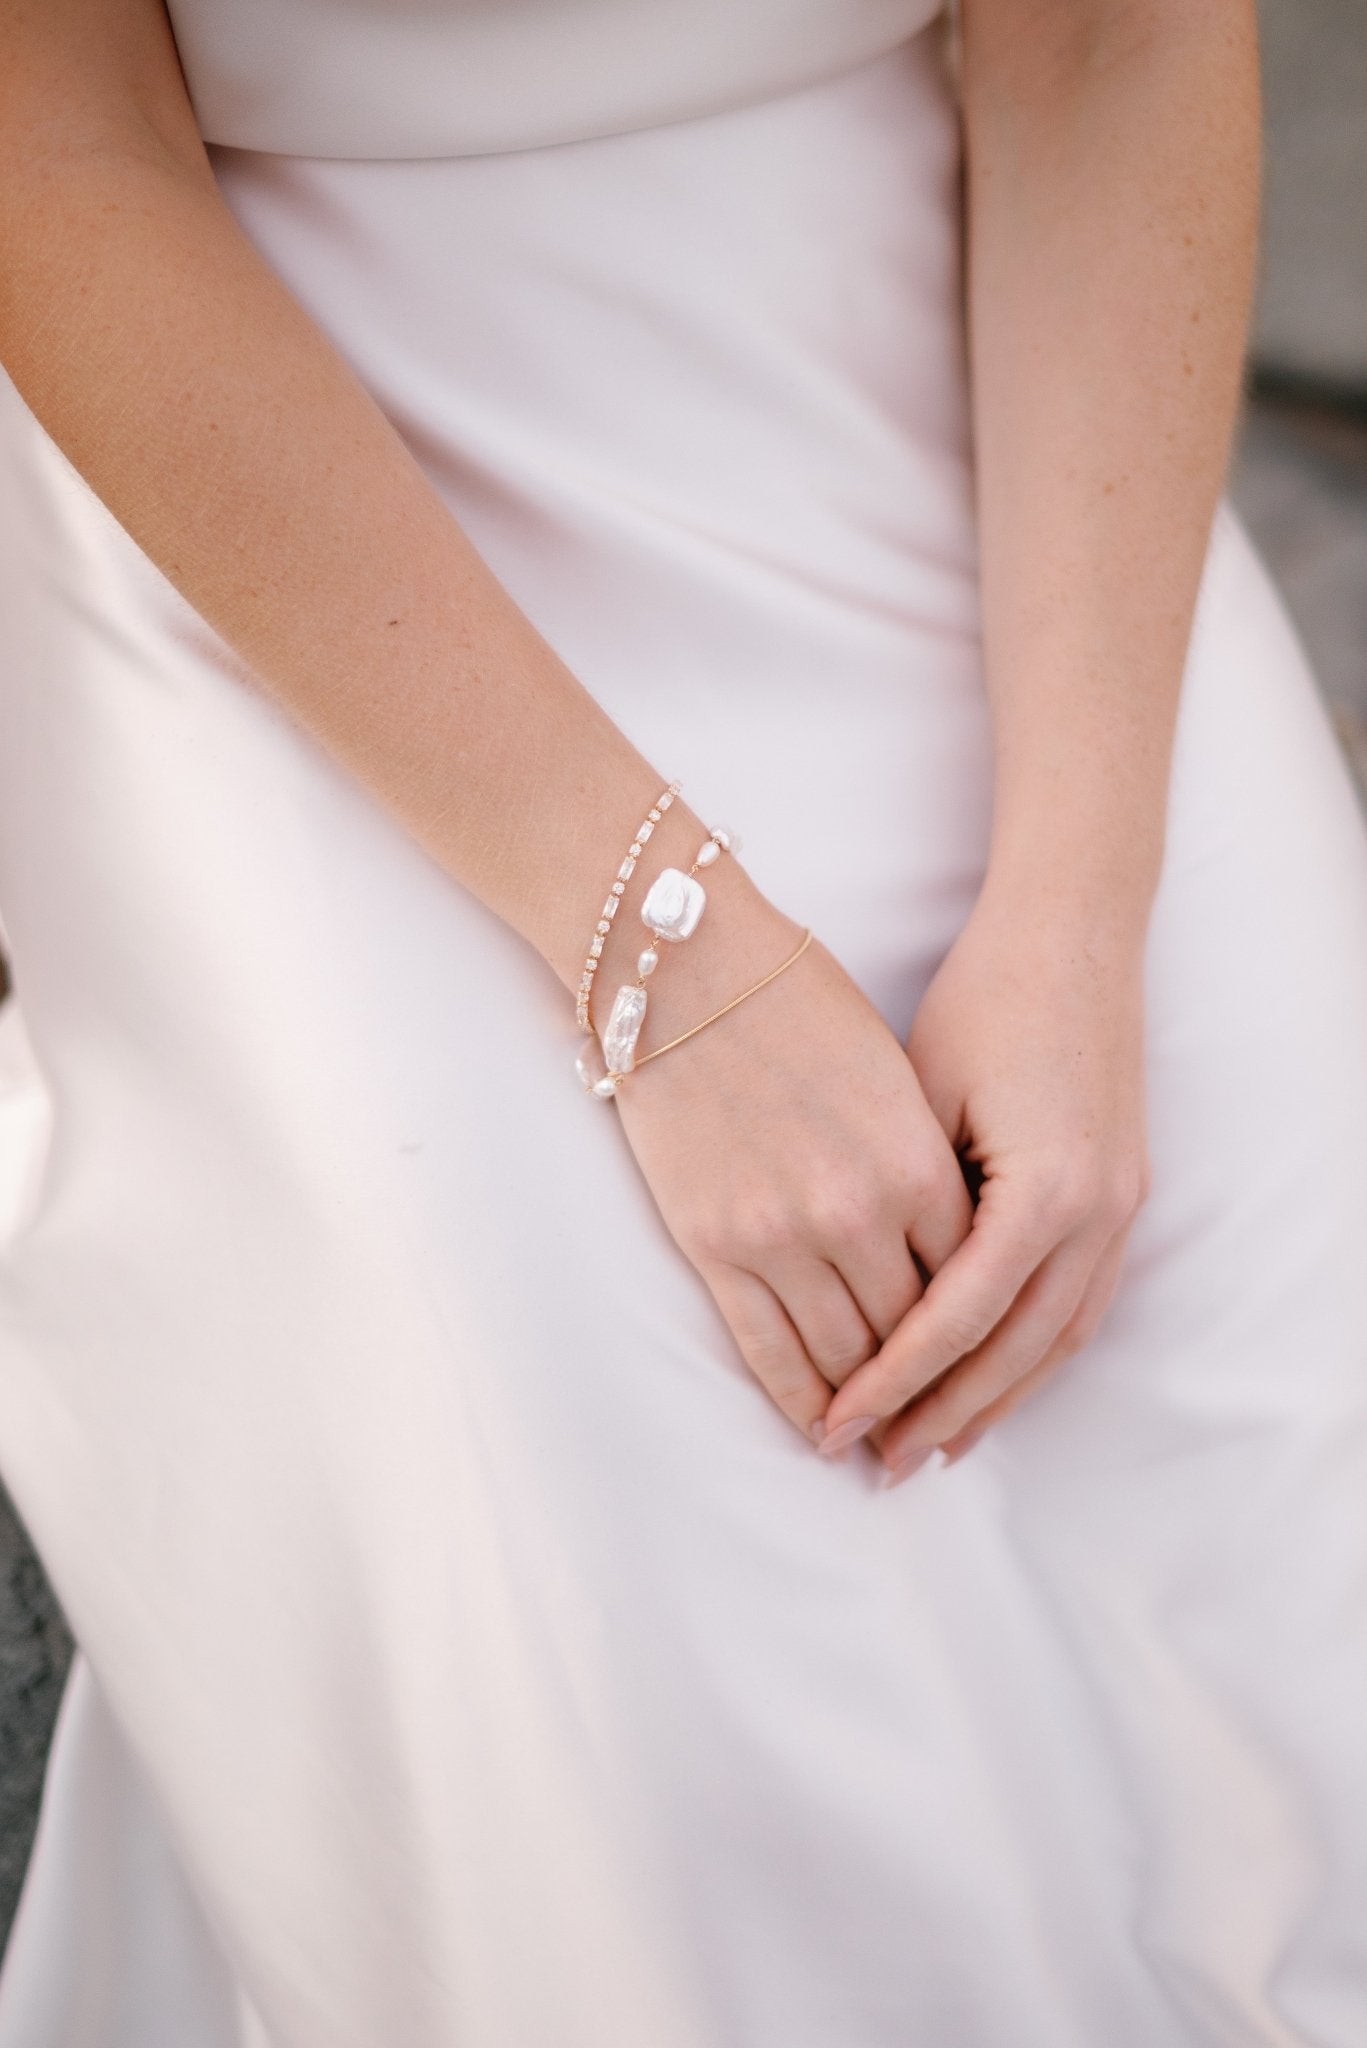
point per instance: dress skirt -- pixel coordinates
(470, 1656)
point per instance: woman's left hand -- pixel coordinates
(1029, 1047)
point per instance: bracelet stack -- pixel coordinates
(615, 894)
(673, 905)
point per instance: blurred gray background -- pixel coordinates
(1301, 482)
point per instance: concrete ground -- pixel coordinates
(1301, 483)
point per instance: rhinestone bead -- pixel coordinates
(603, 925)
(634, 848)
(645, 832)
(595, 945)
(624, 872)
(619, 888)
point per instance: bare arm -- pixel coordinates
(1112, 203)
(789, 1148)
(236, 446)
(1112, 188)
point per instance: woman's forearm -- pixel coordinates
(242, 454)
(1112, 191)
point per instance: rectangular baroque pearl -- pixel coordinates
(623, 1028)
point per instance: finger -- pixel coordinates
(882, 1272)
(1019, 1343)
(939, 1218)
(769, 1344)
(965, 1300)
(828, 1320)
(1075, 1335)
(881, 1275)
(942, 1215)
(885, 1286)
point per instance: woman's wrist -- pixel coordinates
(1051, 895)
(739, 935)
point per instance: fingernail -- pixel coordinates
(953, 1457)
(904, 1468)
(817, 1429)
(848, 1433)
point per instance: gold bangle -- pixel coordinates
(615, 1080)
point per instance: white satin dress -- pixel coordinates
(470, 1656)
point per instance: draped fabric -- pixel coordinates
(469, 1654)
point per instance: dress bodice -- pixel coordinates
(413, 78)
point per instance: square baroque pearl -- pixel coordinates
(673, 904)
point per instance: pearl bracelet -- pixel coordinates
(604, 924)
(673, 904)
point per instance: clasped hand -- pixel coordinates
(817, 1174)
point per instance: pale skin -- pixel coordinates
(805, 1161)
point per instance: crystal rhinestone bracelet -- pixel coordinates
(609, 910)
(608, 1083)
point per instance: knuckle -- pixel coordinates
(845, 1355)
(786, 1388)
(843, 1209)
(770, 1356)
(960, 1330)
(1068, 1196)
(1125, 1190)
(1087, 1188)
(710, 1238)
(930, 1185)
(763, 1226)
(698, 1237)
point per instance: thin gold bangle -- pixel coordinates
(647, 1057)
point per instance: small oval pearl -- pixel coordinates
(707, 853)
(607, 1086)
(590, 1065)
(647, 962)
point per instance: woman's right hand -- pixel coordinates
(788, 1146)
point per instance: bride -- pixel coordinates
(617, 531)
